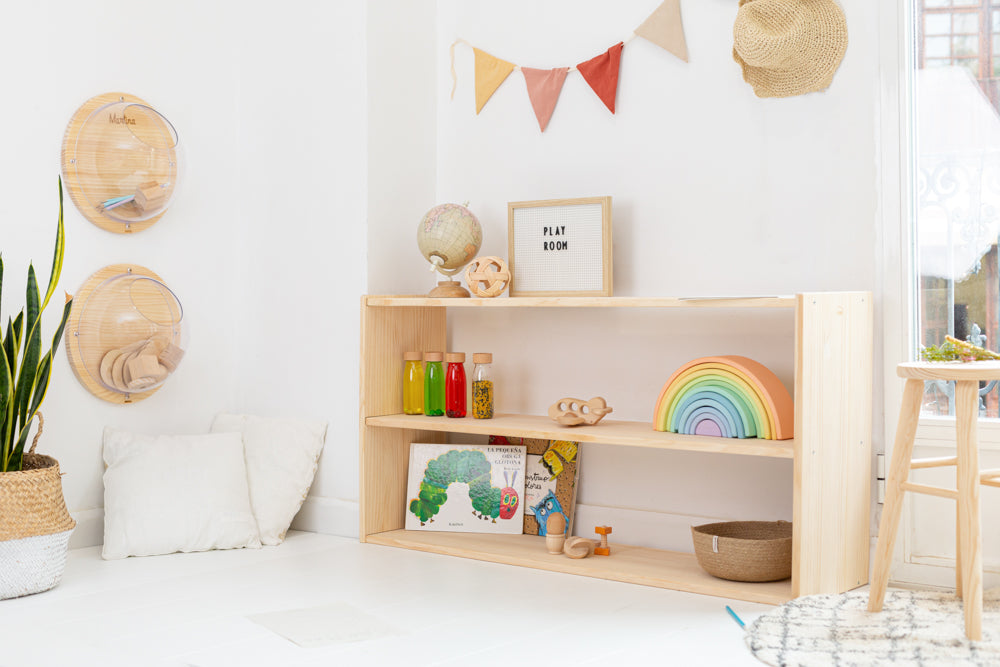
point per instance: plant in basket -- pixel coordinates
(34, 523)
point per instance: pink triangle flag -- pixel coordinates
(544, 86)
(601, 73)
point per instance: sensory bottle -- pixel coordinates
(454, 386)
(433, 384)
(413, 384)
(482, 386)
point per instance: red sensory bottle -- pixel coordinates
(454, 385)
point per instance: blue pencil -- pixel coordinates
(735, 617)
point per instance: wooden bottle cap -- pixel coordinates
(412, 356)
(433, 356)
(482, 357)
(455, 357)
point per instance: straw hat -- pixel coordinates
(789, 47)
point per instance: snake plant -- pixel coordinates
(24, 371)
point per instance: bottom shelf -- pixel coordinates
(634, 565)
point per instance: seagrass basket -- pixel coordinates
(34, 527)
(745, 550)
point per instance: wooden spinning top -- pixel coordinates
(487, 276)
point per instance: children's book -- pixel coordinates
(466, 488)
(551, 475)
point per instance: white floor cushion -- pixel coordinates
(282, 455)
(172, 493)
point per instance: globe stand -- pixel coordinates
(448, 289)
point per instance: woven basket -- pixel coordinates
(745, 550)
(34, 526)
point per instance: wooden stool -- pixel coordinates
(968, 530)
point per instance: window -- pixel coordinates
(957, 181)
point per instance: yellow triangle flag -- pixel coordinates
(664, 28)
(490, 73)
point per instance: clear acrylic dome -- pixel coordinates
(125, 161)
(130, 335)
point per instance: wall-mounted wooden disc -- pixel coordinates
(117, 147)
(124, 333)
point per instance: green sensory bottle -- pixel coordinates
(433, 384)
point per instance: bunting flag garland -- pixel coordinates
(601, 73)
(544, 86)
(663, 28)
(490, 73)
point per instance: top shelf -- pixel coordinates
(589, 302)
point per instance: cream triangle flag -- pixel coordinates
(490, 73)
(664, 28)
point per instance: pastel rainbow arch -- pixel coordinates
(728, 396)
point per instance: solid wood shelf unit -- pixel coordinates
(831, 449)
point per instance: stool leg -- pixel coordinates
(971, 532)
(958, 546)
(902, 451)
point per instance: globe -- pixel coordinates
(449, 236)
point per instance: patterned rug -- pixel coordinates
(914, 628)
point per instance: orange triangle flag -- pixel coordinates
(490, 73)
(544, 86)
(601, 73)
(664, 28)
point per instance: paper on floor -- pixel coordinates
(337, 623)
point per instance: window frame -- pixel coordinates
(900, 53)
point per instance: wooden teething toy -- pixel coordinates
(575, 411)
(578, 547)
(484, 280)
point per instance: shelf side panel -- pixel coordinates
(833, 414)
(386, 333)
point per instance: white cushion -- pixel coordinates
(282, 455)
(172, 493)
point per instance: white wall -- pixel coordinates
(715, 192)
(402, 72)
(299, 123)
(265, 240)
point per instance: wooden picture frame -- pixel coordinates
(560, 247)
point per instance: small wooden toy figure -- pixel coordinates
(555, 533)
(603, 549)
(576, 411)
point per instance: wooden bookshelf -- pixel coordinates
(634, 565)
(587, 302)
(609, 432)
(831, 450)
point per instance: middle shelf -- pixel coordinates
(610, 432)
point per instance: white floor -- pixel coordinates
(192, 609)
